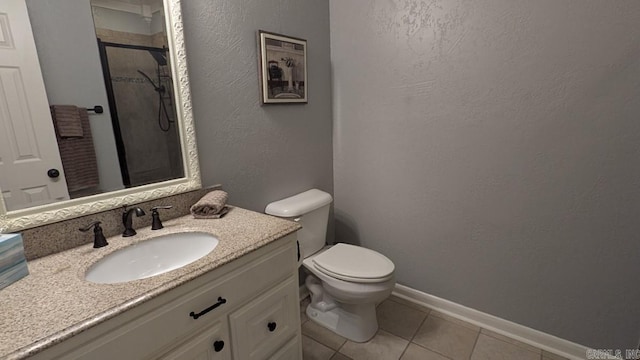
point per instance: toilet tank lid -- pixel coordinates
(299, 204)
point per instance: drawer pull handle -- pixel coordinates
(220, 302)
(218, 345)
(272, 326)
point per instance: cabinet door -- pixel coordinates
(264, 325)
(290, 351)
(210, 343)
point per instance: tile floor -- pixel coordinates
(411, 332)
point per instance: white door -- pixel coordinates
(28, 147)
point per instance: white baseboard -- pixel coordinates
(504, 327)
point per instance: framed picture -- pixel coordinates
(283, 68)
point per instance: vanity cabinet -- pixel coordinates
(244, 310)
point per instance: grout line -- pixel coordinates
(405, 350)
(431, 350)
(475, 343)
(348, 357)
(421, 309)
(341, 346)
(418, 329)
(516, 343)
(424, 347)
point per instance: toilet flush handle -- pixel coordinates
(297, 242)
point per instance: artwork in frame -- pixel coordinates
(283, 68)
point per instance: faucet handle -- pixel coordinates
(86, 228)
(156, 223)
(98, 237)
(161, 207)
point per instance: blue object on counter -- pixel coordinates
(13, 264)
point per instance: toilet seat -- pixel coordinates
(354, 264)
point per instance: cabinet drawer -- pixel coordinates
(290, 351)
(266, 323)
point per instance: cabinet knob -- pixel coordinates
(218, 345)
(271, 326)
(53, 173)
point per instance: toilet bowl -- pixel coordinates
(343, 302)
(345, 281)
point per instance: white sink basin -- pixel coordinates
(151, 257)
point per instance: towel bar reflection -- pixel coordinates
(96, 109)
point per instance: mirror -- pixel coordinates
(126, 56)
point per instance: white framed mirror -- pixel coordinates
(161, 71)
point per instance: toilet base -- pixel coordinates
(357, 323)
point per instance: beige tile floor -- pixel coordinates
(411, 332)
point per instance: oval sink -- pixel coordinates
(151, 257)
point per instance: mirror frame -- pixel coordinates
(45, 214)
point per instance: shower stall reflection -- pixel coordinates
(140, 92)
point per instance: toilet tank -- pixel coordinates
(311, 210)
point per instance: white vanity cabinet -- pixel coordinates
(244, 310)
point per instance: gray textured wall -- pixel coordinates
(490, 148)
(259, 153)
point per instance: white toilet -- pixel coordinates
(346, 281)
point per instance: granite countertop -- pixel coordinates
(55, 302)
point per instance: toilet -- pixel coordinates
(345, 281)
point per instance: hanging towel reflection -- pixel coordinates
(78, 155)
(67, 121)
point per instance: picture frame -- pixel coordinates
(283, 69)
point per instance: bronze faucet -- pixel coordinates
(127, 220)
